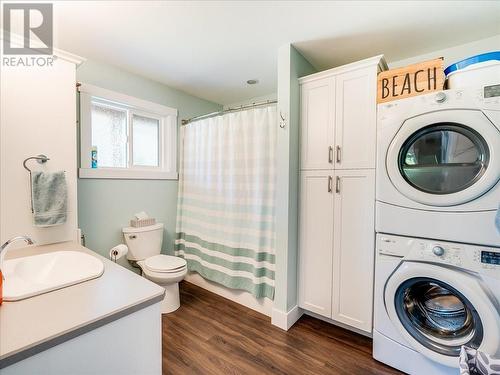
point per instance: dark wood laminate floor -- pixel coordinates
(212, 335)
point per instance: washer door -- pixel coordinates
(437, 310)
(445, 158)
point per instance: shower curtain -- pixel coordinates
(226, 203)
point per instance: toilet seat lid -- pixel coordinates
(165, 263)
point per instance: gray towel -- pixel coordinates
(50, 198)
(475, 362)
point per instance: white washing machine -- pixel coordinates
(438, 166)
(431, 297)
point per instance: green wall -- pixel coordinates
(105, 206)
(291, 66)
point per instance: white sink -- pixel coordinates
(33, 275)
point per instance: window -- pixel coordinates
(109, 134)
(129, 137)
(145, 141)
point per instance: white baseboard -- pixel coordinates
(261, 305)
(285, 320)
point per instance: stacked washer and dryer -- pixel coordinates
(437, 277)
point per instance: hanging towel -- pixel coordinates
(50, 198)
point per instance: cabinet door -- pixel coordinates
(353, 254)
(317, 124)
(316, 242)
(355, 119)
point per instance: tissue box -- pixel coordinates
(137, 223)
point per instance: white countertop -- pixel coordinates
(38, 323)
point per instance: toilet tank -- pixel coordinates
(143, 242)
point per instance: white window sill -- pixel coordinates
(126, 174)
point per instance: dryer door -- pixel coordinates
(445, 158)
(439, 309)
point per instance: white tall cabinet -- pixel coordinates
(337, 192)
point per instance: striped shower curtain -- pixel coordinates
(226, 204)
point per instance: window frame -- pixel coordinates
(167, 137)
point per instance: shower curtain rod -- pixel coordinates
(240, 108)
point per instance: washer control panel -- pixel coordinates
(488, 258)
(477, 258)
(439, 252)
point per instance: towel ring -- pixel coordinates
(39, 158)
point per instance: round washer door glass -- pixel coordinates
(443, 158)
(438, 316)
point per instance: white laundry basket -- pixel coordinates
(479, 70)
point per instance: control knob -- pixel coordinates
(438, 250)
(440, 97)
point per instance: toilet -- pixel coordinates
(144, 247)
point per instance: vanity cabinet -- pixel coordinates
(337, 193)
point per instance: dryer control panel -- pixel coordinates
(492, 91)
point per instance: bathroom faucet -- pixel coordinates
(5, 246)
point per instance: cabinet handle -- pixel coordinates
(338, 154)
(337, 185)
(330, 179)
(330, 154)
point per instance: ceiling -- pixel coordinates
(211, 48)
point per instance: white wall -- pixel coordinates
(38, 116)
(454, 54)
(291, 66)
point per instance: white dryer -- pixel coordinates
(438, 166)
(432, 297)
